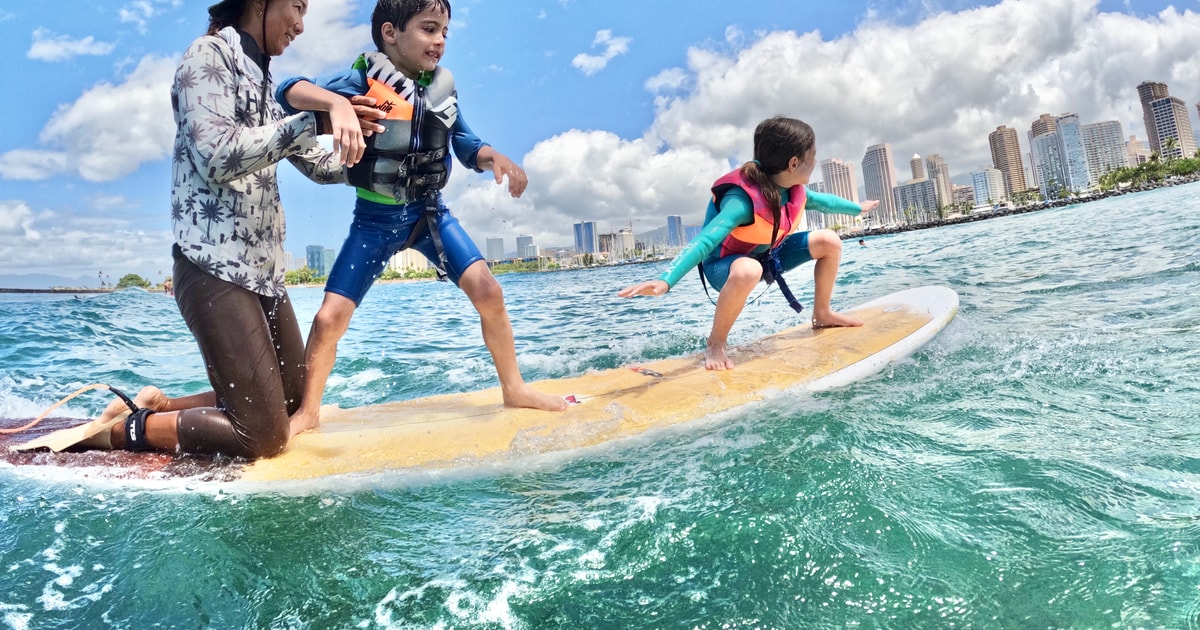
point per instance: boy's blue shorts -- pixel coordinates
(379, 231)
(793, 253)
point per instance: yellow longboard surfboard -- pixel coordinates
(475, 428)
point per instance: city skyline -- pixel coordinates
(613, 118)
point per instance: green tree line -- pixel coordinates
(1151, 171)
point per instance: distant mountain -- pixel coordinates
(45, 281)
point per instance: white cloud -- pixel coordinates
(669, 80)
(612, 48)
(32, 164)
(77, 249)
(335, 32)
(49, 47)
(589, 175)
(112, 129)
(107, 132)
(16, 220)
(139, 12)
(937, 86)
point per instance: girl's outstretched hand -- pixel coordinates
(869, 205)
(652, 287)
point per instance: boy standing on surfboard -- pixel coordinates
(398, 182)
(748, 234)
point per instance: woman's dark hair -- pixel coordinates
(229, 13)
(776, 141)
(399, 12)
(224, 14)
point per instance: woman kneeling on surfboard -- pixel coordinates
(228, 226)
(749, 236)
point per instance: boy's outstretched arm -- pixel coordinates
(491, 159)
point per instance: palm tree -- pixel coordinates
(1169, 148)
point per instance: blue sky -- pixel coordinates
(620, 111)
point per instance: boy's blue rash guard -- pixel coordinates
(736, 211)
(353, 82)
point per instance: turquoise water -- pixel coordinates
(1037, 465)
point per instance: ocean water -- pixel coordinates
(1036, 466)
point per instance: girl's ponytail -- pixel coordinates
(776, 141)
(753, 171)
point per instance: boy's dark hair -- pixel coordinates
(776, 141)
(399, 12)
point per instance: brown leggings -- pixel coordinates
(254, 354)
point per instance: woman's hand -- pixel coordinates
(348, 142)
(651, 287)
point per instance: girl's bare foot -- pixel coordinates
(715, 359)
(528, 398)
(831, 319)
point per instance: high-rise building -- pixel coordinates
(495, 249)
(586, 241)
(1044, 124)
(917, 166)
(1136, 152)
(1173, 128)
(879, 179)
(408, 259)
(989, 186)
(675, 235)
(523, 243)
(1006, 157)
(328, 256)
(1104, 145)
(623, 244)
(839, 179)
(314, 256)
(1071, 152)
(939, 174)
(964, 195)
(1148, 92)
(916, 200)
(1047, 165)
(816, 186)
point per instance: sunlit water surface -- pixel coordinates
(1037, 465)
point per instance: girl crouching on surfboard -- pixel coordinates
(748, 234)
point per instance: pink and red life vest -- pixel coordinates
(746, 238)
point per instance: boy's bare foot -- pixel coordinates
(526, 397)
(715, 359)
(831, 319)
(302, 421)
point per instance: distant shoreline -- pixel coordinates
(57, 290)
(958, 219)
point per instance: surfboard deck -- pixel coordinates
(475, 428)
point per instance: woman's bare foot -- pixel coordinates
(715, 358)
(528, 398)
(149, 398)
(302, 421)
(831, 319)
